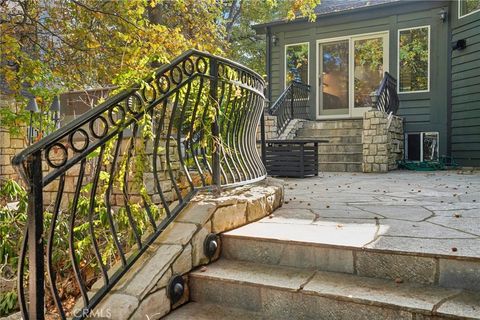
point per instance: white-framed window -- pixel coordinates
(468, 7)
(413, 59)
(421, 146)
(297, 57)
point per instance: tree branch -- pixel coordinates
(113, 14)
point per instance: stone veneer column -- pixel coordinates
(382, 141)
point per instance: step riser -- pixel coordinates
(334, 140)
(335, 124)
(346, 157)
(273, 303)
(444, 272)
(335, 148)
(340, 167)
(328, 133)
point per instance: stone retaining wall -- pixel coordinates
(118, 199)
(270, 127)
(382, 140)
(142, 292)
(9, 147)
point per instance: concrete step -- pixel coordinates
(335, 124)
(339, 166)
(209, 311)
(330, 157)
(343, 257)
(340, 147)
(278, 292)
(319, 133)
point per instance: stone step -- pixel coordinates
(334, 124)
(290, 293)
(339, 166)
(356, 139)
(331, 157)
(317, 247)
(209, 311)
(340, 147)
(319, 133)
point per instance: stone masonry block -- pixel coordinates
(155, 306)
(183, 264)
(229, 217)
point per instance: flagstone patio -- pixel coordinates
(433, 213)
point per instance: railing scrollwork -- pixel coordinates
(119, 174)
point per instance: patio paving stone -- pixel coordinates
(434, 213)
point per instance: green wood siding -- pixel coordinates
(465, 126)
(422, 111)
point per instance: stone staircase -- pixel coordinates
(343, 153)
(271, 278)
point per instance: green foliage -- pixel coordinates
(468, 6)
(8, 302)
(12, 222)
(243, 45)
(414, 53)
(297, 63)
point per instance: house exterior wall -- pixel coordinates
(426, 111)
(465, 92)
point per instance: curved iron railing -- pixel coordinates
(118, 175)
(292, 104)
(386, 95)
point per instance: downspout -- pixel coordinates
(269, 65)
(449, 82)
(269, 95)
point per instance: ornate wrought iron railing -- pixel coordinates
(292, 104)
(103, 187)
(386, 98)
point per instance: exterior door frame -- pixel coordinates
(351, 68)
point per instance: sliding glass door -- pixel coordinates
(334, 78)
(350, 69)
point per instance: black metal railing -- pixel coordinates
(292, 104)
(386, 98)
(119, 174)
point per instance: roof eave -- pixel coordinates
(262, 27)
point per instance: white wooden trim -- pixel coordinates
(459, 9)
(285, 61)
(398, 59)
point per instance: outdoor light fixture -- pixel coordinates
(55, 109)
(443, 15)
(459, 44)
(32, 107)
(275, 40)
